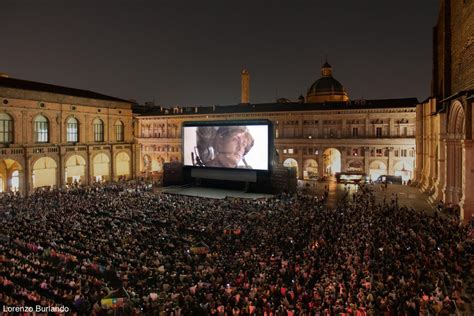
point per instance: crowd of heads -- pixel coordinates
(169, 254)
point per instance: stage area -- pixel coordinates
(212, 193)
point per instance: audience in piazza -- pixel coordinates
(175, 255)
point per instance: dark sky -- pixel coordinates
(192, 52)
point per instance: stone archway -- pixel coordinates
(377, 169)
(75, 170)
(10, 175)
(331, 161)
(122, 165)
(44, 172)
(310, 169)
(101, 167)
(454, 154)
(403, 169)
(293, 164)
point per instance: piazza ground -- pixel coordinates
(407, 195)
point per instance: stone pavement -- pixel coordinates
(407, 195)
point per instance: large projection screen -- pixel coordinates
(234, 145)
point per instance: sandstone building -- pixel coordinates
(319, 135)
(445, 121)
(51, 136)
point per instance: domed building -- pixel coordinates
(326, 88)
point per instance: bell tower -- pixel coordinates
(245, 87)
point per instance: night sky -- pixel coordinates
(192, 52)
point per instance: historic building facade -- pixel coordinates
(445, 121)
(319, 135)
(52, 136)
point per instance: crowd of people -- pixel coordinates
(162, 254)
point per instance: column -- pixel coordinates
(89, 171)
(22, 185)
(459, 169)
(449, 170)
(441, 176)
(112, 163)
(28, 175)
(132, 161)
(300, 162)
(59, 170)
(366, 160)
(467, 201)
(300, 127)
(343, 151)
(320, 163)
(390, 160)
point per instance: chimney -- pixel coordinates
(245, 87)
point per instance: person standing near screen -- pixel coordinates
(231, 144)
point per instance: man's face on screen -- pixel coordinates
(231, 147)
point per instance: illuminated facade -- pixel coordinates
(320, 138)
(51, 136)
(445, 122)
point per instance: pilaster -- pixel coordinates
(467, 200)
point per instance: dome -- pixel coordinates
(326, 88)
(326, 85)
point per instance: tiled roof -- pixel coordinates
(277, 107)
(14, 83)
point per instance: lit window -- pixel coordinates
(378, 132)
(41, 126)
(290, 151)
(72, 132)
(405, 131)
(6, 128)
(355, 132)
(119, 134)
(98, 126)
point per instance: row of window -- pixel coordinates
(355, 152)
(378, 132)
(339, 122)
(156, 148)
(42, 129)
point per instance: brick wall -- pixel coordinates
(462, 45)
(453, 48)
